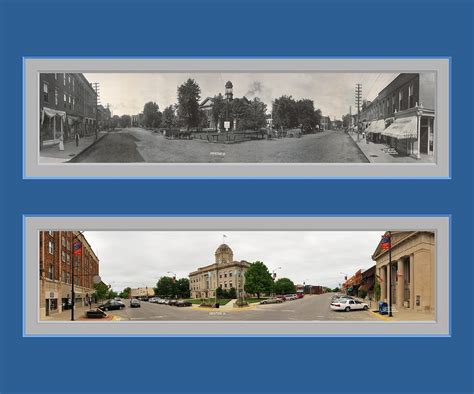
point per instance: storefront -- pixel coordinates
(412, 132)
(375, 129)
(52, 125)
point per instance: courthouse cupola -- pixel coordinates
(224, 254)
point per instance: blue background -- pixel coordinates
(247, 28)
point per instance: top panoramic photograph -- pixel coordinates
(239, 122)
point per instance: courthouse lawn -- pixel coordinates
(212, 301)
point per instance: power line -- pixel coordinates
(358, 99)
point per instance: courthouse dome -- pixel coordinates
(224, 248)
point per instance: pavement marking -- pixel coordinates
(383, 317)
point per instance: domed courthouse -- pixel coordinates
(225, 273)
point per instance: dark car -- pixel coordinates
(183, 303)
(111, 305)
(172, 302)
(134, 303)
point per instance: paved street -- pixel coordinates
(315, 307)
(138, 145)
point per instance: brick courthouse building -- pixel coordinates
(55, 271)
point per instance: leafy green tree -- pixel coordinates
(284, 112)
(258, 279)
(168, 118)
(125, 293)
(182, 288)
(115, 121)
(232, 293)
(218, 109)
(221, 293)
(151, 114)
(284, 286)
(101, 291)
(165, 287)
(255, 116)
(112, 294)
(189, 94)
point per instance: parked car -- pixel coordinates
(181, 303)
(96, 314)
(117, 299)
(154, 300)
(299, 295)
(281, 297)
(162, 301)
(271, 301)
(134, 303)
(172, 302)
(111, 305)
(348, 305)
(290, 297)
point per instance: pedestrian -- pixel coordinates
(90, 302)
(76, 137)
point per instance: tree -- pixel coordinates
(255, 115)
(111, 294)
(168, 118)
(232, 293)
(151, 115)
(101, 291)
(238, 109)
(284, 112)
(165, 287)
(189, 94)
(306, 115)
(182, 288)
(258, 279)
(125, 293)
(218, 108)
(115, 121)
(125, 121)
(284, 286)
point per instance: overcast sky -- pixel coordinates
(333, 93)
(140, 258)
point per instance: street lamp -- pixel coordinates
(273, 278)
(345, 278)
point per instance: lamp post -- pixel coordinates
(76, 249)
(345, 277)
(273, 278)
(390, 274)
(174, 281)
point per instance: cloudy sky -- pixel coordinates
(140, 258)
(333, 93)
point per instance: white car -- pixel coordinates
(348, 305)
(290, 297)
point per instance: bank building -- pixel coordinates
(224, 272)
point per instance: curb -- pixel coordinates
(382, 317)
(73, 160)
(360, 149)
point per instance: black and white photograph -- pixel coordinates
(238, 117)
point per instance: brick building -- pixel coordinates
(225, 273)
(402, 115)
(55, 271)
(67, 106)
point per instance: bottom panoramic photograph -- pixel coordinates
(112, 276)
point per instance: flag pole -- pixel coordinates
(390, 275)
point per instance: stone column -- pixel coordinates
(383, 285)
(412, 282)
(401, 283)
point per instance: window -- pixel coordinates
(68, 245)
(69, 78)
(73, 102)
(400, 100)
(411, 98)
(63, 256)
(68, 278)
(56, 96)
(50, 247)
(230, 284)
(68, 258)
(56, 76)
(45, 91)
(63, 277)
(225, 284)
(51, 272)
(64, 79)
(225, 275)
(65, 100)
(230, 274)
(63, 241)
(50, 233)
(73, 84)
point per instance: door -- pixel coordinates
(424, 135)
(47, 307)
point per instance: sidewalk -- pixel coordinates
(52, 154)
(79, 314)
(375, 154)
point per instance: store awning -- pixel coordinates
(72, 119)
(402, 128)
(376, 127)
(53, 112)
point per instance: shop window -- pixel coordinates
(45, 92)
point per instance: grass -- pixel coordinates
(211, 301)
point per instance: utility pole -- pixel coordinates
(96, 87)
(358, 100)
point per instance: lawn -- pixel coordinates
(212, 301)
